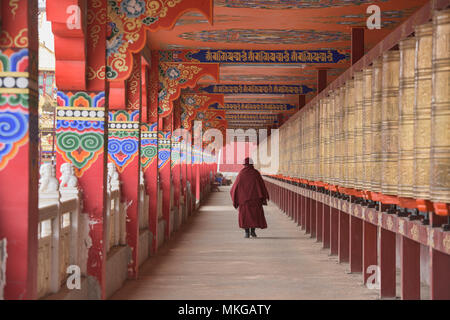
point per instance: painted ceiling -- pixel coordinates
(279, 25)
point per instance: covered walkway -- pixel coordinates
(210, 259)
(118, 118)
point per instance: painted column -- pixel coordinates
(81, 135)
(150, 149)
(149, 163)
(164, 163)
(19, 146)
(176, 160)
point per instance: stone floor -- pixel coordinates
(209, 258)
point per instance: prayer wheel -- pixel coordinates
(389, 122)
(367, 128)
(304, 145)
(306, 131)
(311, 142)
(440, 111)
(332, 178)
(339, 136)
(349, 134)
(344, 141)
(281, 150)
(326, 174)
(316, 155)
(289, 149)
(375, 155)
(406, 118)
(298, 147)
(358, 133)
(321, 124)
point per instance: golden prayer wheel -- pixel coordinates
(306, 130)
(406, 118)
(440, 109)
(389, 123)
(316, 155)
(349, 133)
(310, 142)
(326, 148)
(375, 155)
(321, 112)
(302, 149)
(296, 144)
(339, 136)
(367, 128)
(358, 126)
(332, 139)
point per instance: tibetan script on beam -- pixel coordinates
(256, 89)
(255, 56)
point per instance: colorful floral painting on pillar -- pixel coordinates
(164, 148)
(149, 144)
(13, 103)
(80, 128)
(123, 137)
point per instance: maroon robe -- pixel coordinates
(249, 193)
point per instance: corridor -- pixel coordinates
(209, 258)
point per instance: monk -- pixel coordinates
(249, 194)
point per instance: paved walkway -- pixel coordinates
(209, 258)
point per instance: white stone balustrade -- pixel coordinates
(115, 210)
(61, 233)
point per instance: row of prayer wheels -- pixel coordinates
(385, 134)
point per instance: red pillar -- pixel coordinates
(197, 165)
(313, 217)
(319, 221)
(334, 231)
(176, 156)
(75, 95)
(301, 101)
(19, 151)
(124, 151)
(440, 275)
(387, 264)
(308, 215)
(356, 230)
(326, 226)
(369, 248)
(149, 162)
(410, 269)
(304, 212)
(321, 79)
(357, 44)
(343, 249)
(164, 161)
